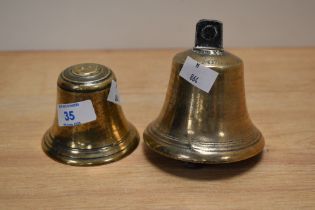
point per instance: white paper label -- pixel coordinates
(198, 74)
(113, 95)
(74, 114)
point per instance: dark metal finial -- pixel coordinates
(209, 34)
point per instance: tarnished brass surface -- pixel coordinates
(108, 138)
(200, 127)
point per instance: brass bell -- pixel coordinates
(89, 126)
(206, 127)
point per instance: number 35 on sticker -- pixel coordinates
(74, 114)
(198, 75)
(69, 115)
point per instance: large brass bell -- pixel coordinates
(206, 127)
(88, 128)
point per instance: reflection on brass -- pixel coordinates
(200, 127)
(107, 138)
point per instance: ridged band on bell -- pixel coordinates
(200, 127)
(103, 135)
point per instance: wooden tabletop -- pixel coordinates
(280, 93)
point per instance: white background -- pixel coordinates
(112, 24)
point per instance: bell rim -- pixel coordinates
(190, 156)
(131, 141)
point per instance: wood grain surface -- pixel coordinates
(280, 93)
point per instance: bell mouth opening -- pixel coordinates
(93, 156)
(177, 150)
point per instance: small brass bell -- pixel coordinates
(89, 126)
(206, 127)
